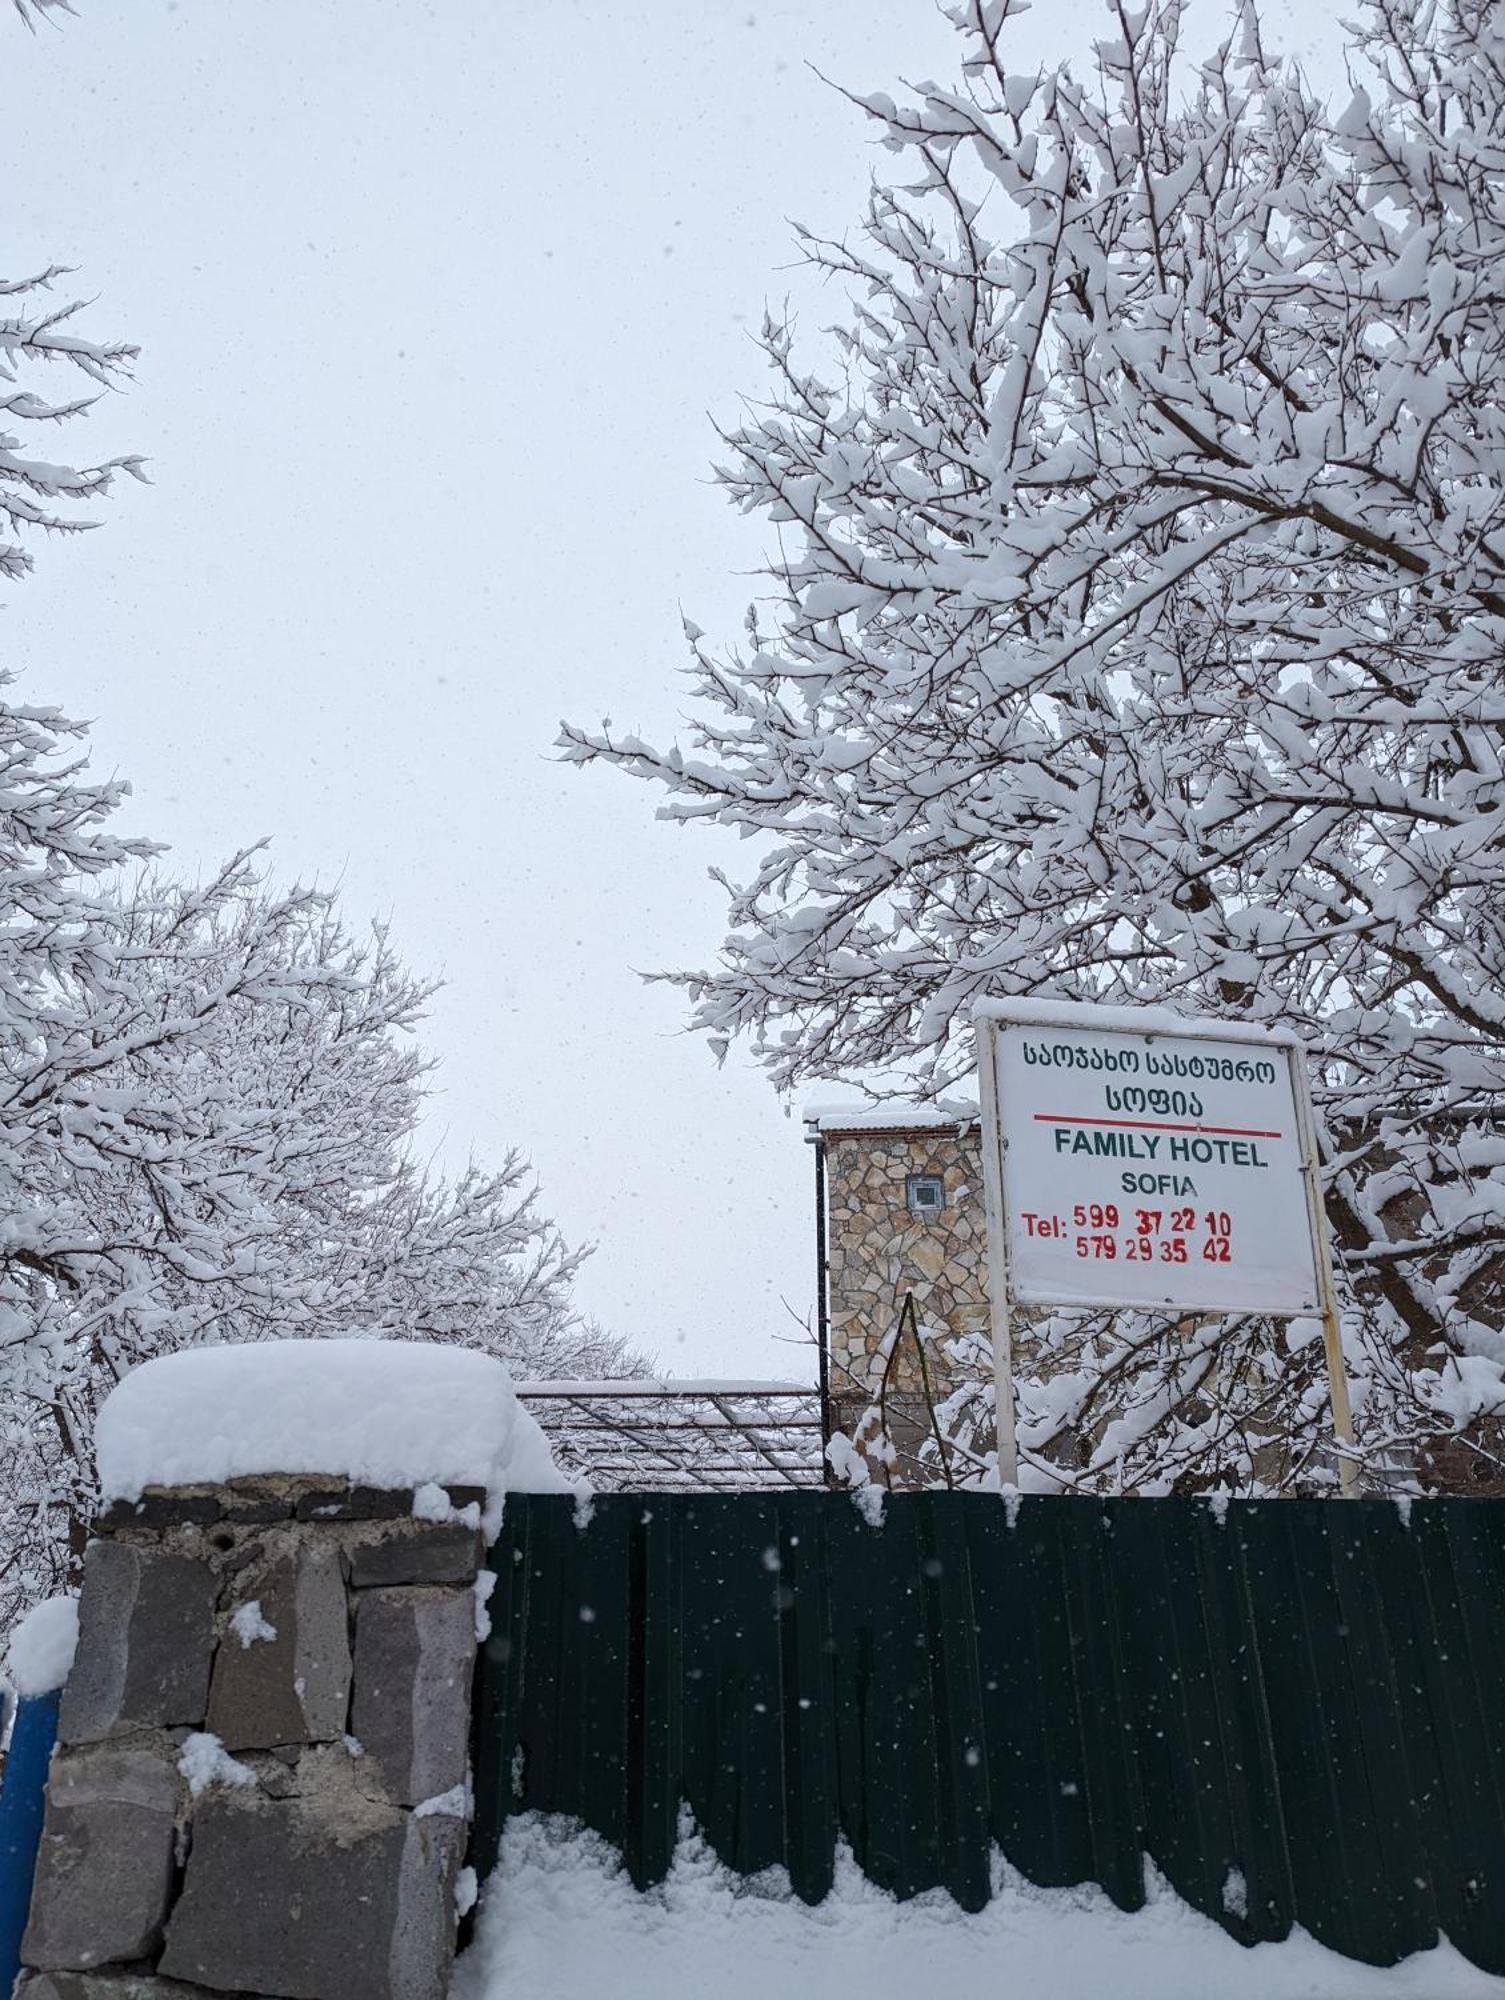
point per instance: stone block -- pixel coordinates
(420, 1552)
(414, 1657)
(928, 1258)
(107, 1986)
(163, 1507)
(320, 1899)
(293, 1687)
(256, 1502)
(146, 1637)
(345, 1502)
(424, 1919)
(105, 1866)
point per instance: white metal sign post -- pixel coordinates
(1134, 1159)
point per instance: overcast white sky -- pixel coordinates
(436, 298)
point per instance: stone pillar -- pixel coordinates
(261, 1784)
(879, 1253)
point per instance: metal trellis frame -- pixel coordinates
(717, 1436)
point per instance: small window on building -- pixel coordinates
(925, 1195)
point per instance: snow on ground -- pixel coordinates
(560, 1921)
(381, 1412)
(42, 1647)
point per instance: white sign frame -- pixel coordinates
(1145, 1025)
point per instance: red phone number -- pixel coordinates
(1150, 1250)
(1161, 1235)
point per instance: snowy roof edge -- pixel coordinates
(948, 1116)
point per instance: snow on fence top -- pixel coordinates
(659, 1387)
(42, 1647)
(388, 1413)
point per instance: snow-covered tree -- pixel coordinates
(211, 1139)
(208, 1094)
(1135, 633)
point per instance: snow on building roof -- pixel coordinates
(949, 1115)
(388, 1413)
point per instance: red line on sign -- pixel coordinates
(1149, 1125)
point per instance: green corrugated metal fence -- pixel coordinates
(1312, 1694)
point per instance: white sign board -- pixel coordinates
(1161, 1169)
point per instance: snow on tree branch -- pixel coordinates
(37, 345)
(1136, 634)
(32, 11)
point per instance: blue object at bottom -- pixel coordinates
(22, 1797)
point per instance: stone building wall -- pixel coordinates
(877, 1252)
(261, 1782)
